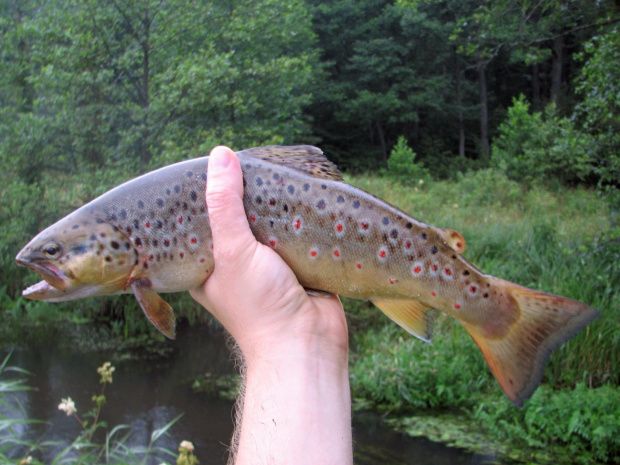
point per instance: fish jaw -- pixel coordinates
(54, 280)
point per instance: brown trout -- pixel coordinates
(152, 235)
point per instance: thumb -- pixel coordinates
(229, 225)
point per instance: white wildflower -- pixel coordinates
(68, 406)
(106, 371)
(187, 446)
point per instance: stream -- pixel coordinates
(147, 394)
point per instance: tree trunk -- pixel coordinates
(536, 87)
(484, 111)
(382, 141)
(556, 69)
(146, 130)
(459, 103)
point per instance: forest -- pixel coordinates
(498, 119)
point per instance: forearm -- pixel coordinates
(297, 406)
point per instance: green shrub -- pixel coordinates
(577, 426)
(402, 166)
(541, 146)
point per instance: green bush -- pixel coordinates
(541, 146)
(576, 426)
(401, 165)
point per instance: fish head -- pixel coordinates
(78, 259)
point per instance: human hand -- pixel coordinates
(297, 405)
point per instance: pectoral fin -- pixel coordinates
(154, 307)
(412, 315)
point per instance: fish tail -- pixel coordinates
(527, 326)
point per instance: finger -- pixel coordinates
(229, 224)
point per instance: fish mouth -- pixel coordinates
(54, 280)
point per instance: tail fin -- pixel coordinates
(542, 323)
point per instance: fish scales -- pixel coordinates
(152, 235)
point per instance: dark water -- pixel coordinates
(149, 394)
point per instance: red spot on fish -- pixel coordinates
(339, 227)
(417, 269)
(272, 202)
(364, 226)
(408, 245)
(392, 280)
(147, 225)
(336, 253)
(202, 260)
(472, 289)
(151, 257)
(382, 253)
(252, 218)
(297, 223)
(193, 240)
(166, 242)
(181, 254)
(433, 293)
(459, 245)
(272, 242)
(447, 271)
(434, 267)
(180, 219)
(313, 253)
(457, 305)
(359, 266)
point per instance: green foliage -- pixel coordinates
(577, 425)
(541, 146)
(402, 166)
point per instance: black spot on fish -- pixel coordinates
(93, 237)
(340, 199)
(160, 202)
(276, 176)
(306, 187)
(177, 188)
(285, 208)
(185, 206)
(75, 226)
(166, 244)
(138, 242)
(394, 234)
(259, 181)
(78, 249)
(323, 186)
(356, 204)
(423, 235)
(408, 226)
(127, 245)
(271, 223)
(453, 257)
(136, 224)
(466, 273)
(272, 202)
(485, 295)
(168, 192)
(115, 245)
(434, 250)
(385, 220)
(145, 265)
(123, 214)
(258, 200)
(100, 221)
(175, 241)
(102, 234)
(108, 259)
(140, 204)
(203, 176)
(291, 189)
(321, 204)
(155, 242)
(189, 174)
(248, 165)
(159, 224)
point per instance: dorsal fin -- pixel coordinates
(453, 239)
(304, 158)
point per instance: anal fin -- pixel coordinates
(156, 309)
(414, 316)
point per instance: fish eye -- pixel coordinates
(52, 250)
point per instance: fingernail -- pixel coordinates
(219, 159)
